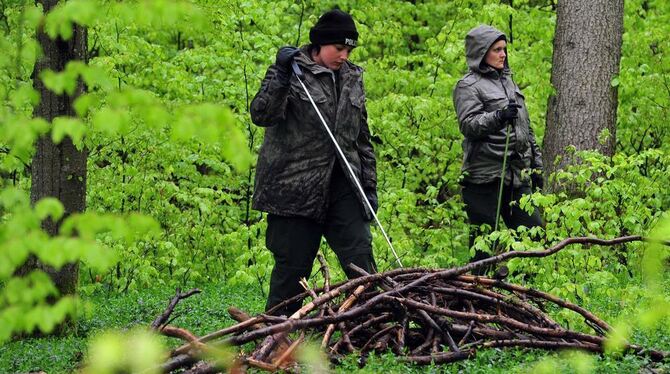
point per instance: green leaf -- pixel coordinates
(25, 95)
(209, 123)
(615, 82)
(49, 207)
(68, 126)
(83, 104)
(59, 21)
(95, 76)
(111, 121)
(59, 82)
(136, 351)
(617, 338)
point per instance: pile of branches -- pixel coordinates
(422, 315)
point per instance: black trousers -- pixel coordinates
(294, 242)
(481, 202)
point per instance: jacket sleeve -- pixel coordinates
(367, 155)
(268, 108)
(536, 155)
(473, 121)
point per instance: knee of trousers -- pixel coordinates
(363, 259)
(344, 254)
(288, 272)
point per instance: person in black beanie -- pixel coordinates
(300, 181)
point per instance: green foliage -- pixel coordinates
(26, 302)
(134, 352)
(205, 312)
(655, 313)
(644, 98)
(32, 302)
(59, 22)
(567, 362)
(123, 312)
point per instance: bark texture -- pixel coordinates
(58, 170)
(587, 53)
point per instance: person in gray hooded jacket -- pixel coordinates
(300, 182)
(491, 111)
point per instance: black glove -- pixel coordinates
(508, 113)
(537, 180)
(283, 61)
(371, 194)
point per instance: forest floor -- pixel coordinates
(206, 312)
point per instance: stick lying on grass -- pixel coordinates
(422, 315)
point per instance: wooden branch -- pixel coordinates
(289, 351)
(171, 305)
(345, 306)
(180, 333)
(217, 334)
(535, 293)
(440, 358)
(177, 362)
(499, 319)
(409, 310)
(548, 252)
(325, 270)
(528, 343)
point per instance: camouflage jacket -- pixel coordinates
(296, 159)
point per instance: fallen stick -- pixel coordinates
(162, 319)
(419, 310)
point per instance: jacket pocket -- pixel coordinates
(357, 101)
(317, 96)
(301, 111)
(494, 100)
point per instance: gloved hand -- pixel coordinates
(508, 113)
(537, 180)
(371, 194)
(283, 61)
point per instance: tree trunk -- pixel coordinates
(58, 170)
(587, 52)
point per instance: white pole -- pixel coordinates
(296, 69)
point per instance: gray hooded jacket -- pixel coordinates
(476, 97)
(296, 160)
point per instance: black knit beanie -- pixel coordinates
(334, 27)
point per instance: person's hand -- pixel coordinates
(285, 56)
(538, 181)
(508, 113)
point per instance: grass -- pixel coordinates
(206, 312)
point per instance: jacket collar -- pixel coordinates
(303, 59)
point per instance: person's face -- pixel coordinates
(496, 55)
(333, 56)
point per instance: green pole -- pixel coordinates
(502, 177)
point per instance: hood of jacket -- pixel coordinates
(477, 43)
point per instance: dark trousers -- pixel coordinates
(294, 242)
(481, 202)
